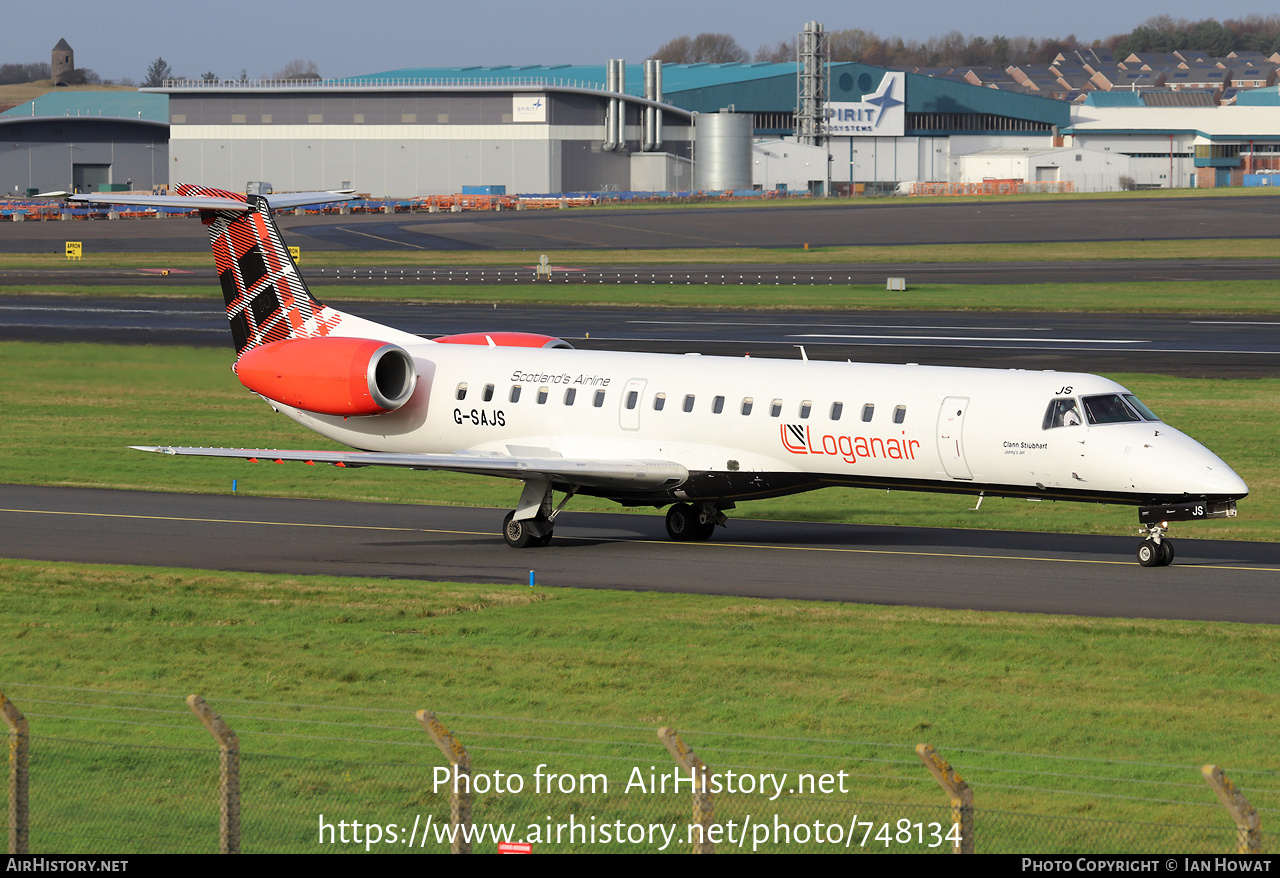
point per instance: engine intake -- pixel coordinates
(330, 376)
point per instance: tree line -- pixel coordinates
(1162, 33)
(157, 73)
(36, 71)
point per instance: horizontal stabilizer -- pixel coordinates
(281, 201)
(625, 474)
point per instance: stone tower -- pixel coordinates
(64, 61)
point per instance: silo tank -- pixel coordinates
(722, 144)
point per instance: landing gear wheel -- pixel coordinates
(516, 533)
(539, 542)
(704, 525)
(1150, 554)
(1166, 556)
(682, 523)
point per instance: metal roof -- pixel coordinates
(1268, 96)
(675, 77)
(765, 87)
(98, 104)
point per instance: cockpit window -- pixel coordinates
(1108, 408)
(1062, 413)
(1147, 414)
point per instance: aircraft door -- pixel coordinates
(629, 411)
(951, 436)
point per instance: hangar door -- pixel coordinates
(89, 178)
(1047, 173)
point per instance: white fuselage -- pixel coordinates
(754, 427)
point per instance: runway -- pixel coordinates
(957, 569)
(793, 224)
(1195, 346)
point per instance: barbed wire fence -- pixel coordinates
(136, 772)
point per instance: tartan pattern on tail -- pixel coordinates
(266, 298)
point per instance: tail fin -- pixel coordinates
(266, 299)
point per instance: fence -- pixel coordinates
(993, 187)
(96, 772)
(25, 210)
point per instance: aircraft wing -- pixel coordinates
(618, 474)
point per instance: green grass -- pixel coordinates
(1151, 700)
(73, 409)
(1065, 251)
(1225, 297)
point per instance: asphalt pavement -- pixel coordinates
(928, 567)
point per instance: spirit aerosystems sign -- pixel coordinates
(882, 114)
(529, 108)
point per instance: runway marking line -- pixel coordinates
(247, 521)
(471, 533)
(380, 238)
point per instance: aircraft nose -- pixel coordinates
(1226, 481)
(1206, 473)
(1175, 465)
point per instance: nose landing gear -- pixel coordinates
(1155, 551)
(1153, 522)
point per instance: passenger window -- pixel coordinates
(570, 395)
(488, 393)
(633, 396)
(688, 403)
(515, 392)
(775, 408)
(599, 400)
(747, 403)
(462, 390)
(868, 412)
(542, 395)
(899, 414)
(805, 408)
(717, 404)
(659, 401)
(1061, 413)
(837, 409)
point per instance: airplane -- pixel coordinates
(696, 434)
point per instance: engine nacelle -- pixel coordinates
(505, 340)
(330, 375)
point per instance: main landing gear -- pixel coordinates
(687, 522)
(532, 522)
(532, 533)
(1155, 551)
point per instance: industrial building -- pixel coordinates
(552, 129)
(85, 140)
(413, 133)
(811, 125)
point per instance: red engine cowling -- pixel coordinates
(330, 376)
(505, 340)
